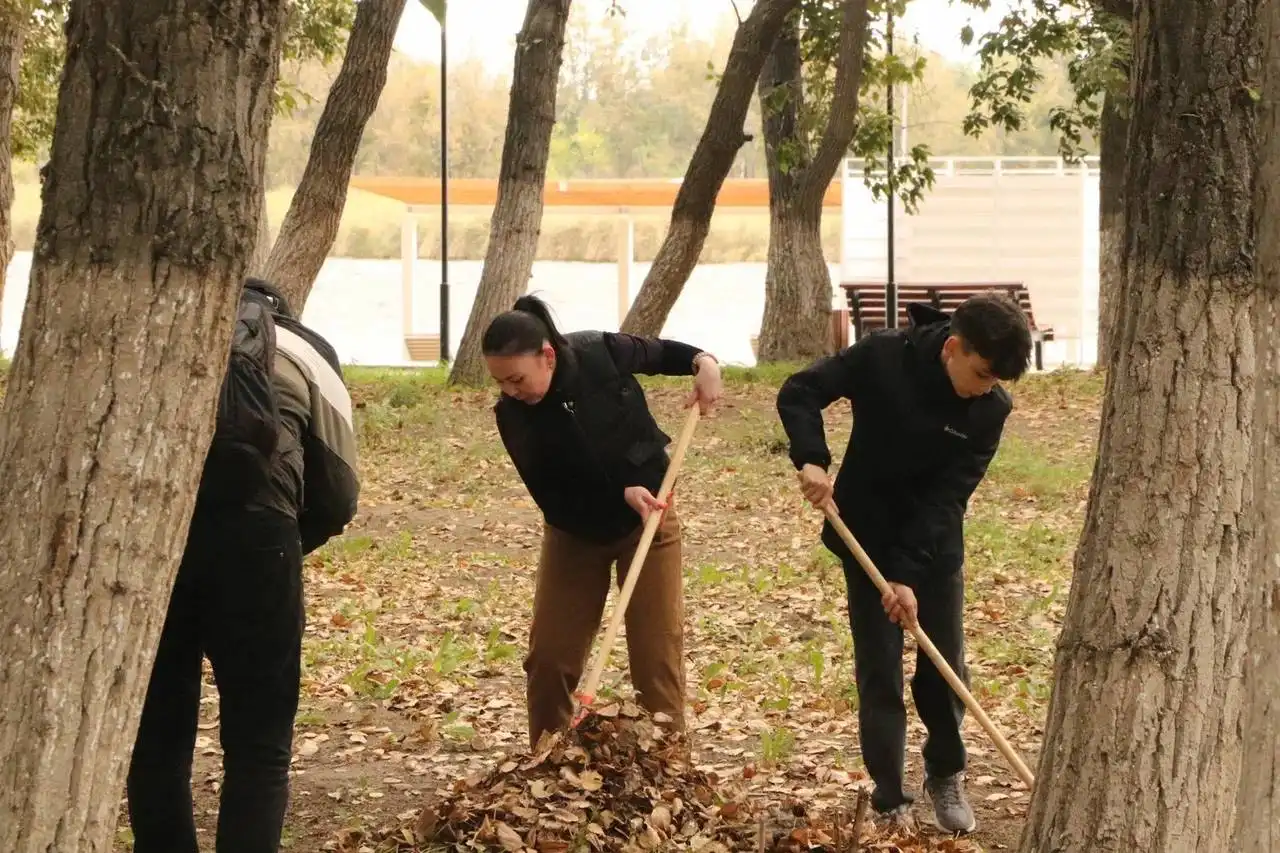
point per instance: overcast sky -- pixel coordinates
(486, 29)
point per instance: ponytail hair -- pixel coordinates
(522, 330)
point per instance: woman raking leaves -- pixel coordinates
(576, 424)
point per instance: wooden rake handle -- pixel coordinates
(931, 650)
(587, 694)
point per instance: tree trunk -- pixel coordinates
(1113, 134)
(261, 243)
(12, 28)
(797, 319)
(1142, 747)
(791, 328)
(797, 307)
(712, 159)
(149, 214)
(517, 214)
(1257, 828)
(311, 225)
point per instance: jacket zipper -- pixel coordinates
(569, 407)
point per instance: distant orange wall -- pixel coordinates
(736, 192)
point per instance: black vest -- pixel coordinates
(590, 438)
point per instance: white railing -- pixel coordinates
(989, 166)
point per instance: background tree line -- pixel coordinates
(621, 113)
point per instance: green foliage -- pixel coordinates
(911, 178)
(317, 29)
(38, 78)
(820, 23)
(1095, 45)
(317, 32)
(1099, 68)
(626, 107)
(624, 110)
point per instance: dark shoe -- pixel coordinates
(900, 819)
(951, 809)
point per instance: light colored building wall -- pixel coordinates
(1029, 220)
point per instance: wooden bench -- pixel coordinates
(423, 347)
(867, 304)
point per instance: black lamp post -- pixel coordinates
(891, 284)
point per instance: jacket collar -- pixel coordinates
(928, 330)
(561, 390)
(565, 378)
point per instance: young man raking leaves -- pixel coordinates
(928, 417)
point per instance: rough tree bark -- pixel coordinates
(709, 166)
(1113, 134)
(306, 236)
(13, 24)
(148, 218)
(797, 303)
(517, 214)
(1257, 828)
(1147, 696)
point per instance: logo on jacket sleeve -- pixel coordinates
(948, 428)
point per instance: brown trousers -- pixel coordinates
(568, 605)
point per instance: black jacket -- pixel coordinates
(592, 436)
(916, 452)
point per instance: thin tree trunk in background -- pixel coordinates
(1142, 746)
(150, 208)
(12, 27)
(517, 215)
(1113, 134)
(708, 167)
(261, 243)
(797, 307)
(791, 263)
(1257, 828)
(310, 227)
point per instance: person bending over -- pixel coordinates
(575, 422)
(279, 479)
(928, 415)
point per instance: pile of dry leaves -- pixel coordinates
(622, 782)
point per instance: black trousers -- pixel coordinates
(238, 600)
(882, 715)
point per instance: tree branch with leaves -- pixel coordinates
(1098, 50)
(809, 91)
(1096, 39)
